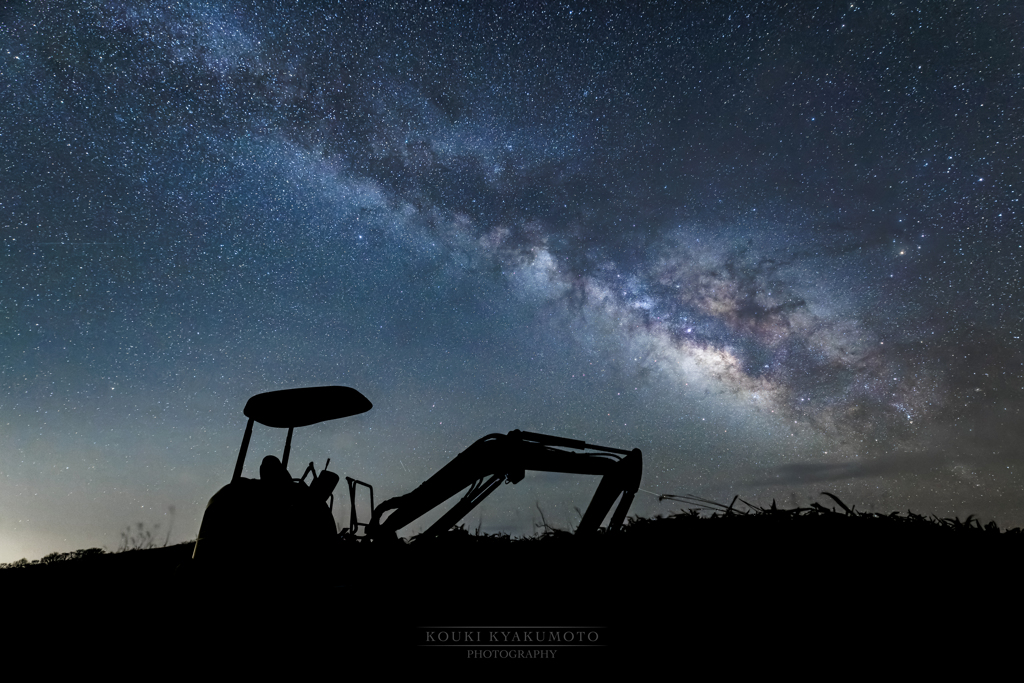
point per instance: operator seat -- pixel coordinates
(273, 472)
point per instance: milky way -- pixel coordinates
(776, 246)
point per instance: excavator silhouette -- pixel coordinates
(297, 517)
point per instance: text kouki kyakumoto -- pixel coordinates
(510, 636)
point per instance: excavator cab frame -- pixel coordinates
(302, 407)
(245, 513)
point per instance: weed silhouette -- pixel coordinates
(139, 539)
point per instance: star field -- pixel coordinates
(776, 246)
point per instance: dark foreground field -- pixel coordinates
(770, 590)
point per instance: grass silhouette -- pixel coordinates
(703, 522)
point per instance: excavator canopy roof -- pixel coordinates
(305, 406)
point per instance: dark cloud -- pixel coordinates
(868, 467)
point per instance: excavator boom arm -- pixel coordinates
(505, 457)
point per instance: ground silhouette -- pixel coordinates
(818, 582)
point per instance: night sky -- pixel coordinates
(776, 246)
